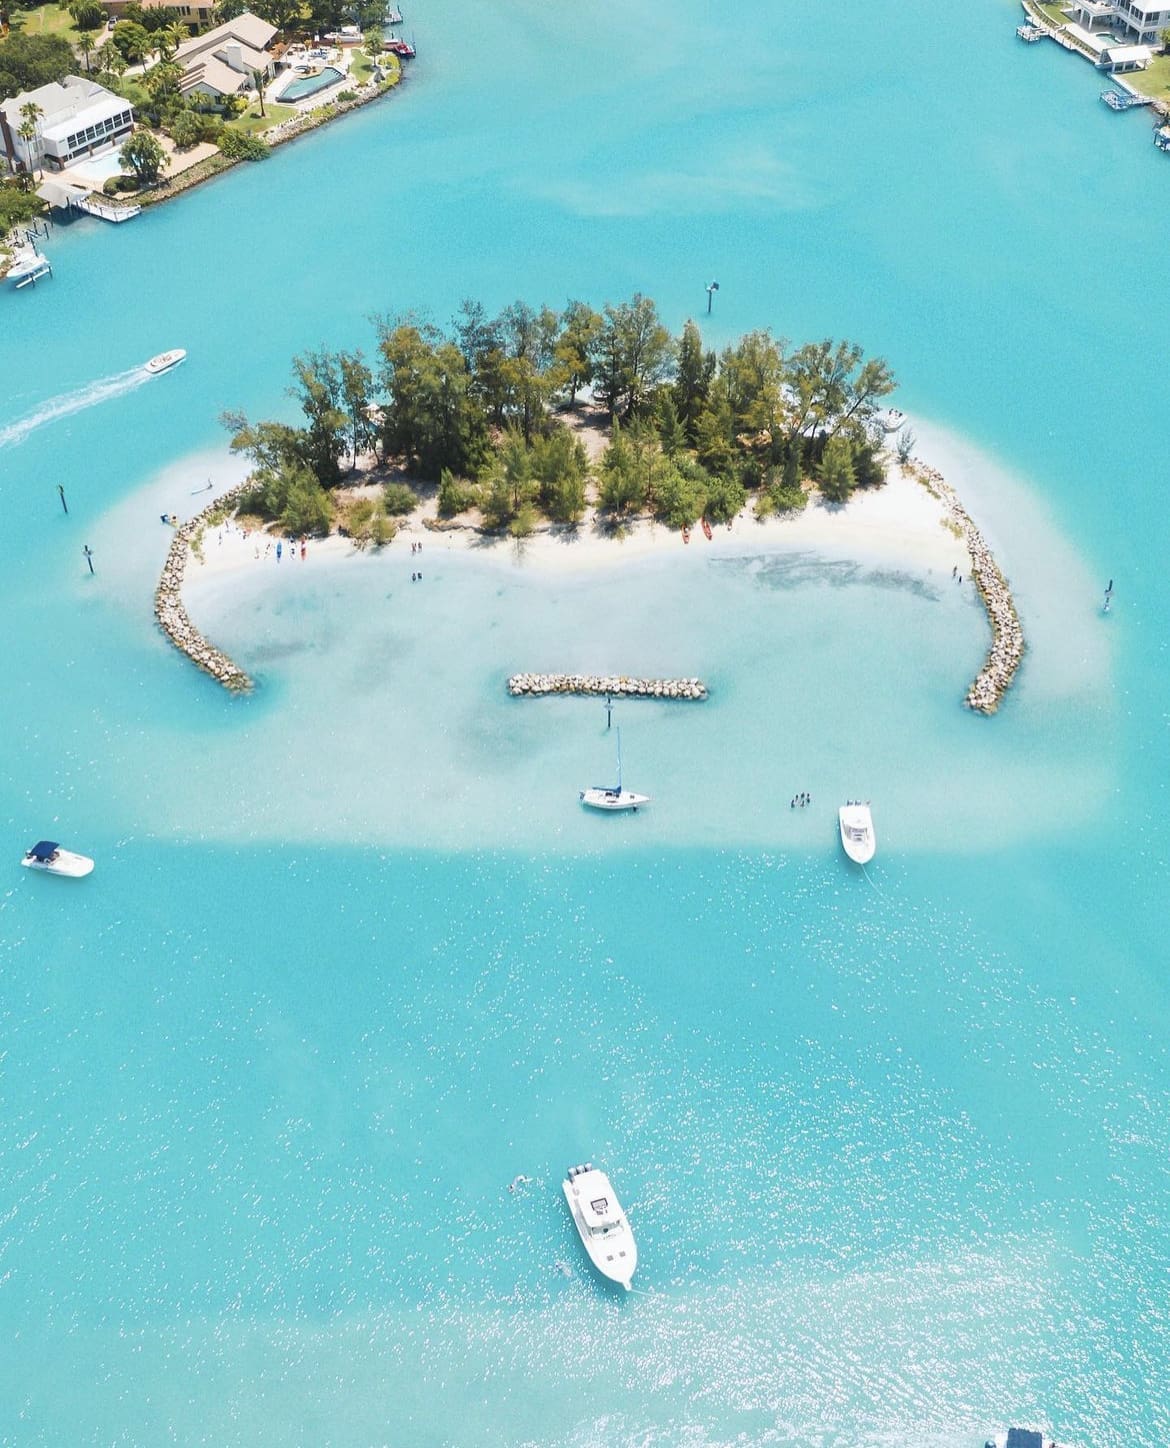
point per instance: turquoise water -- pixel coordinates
(309, 85)
(895, 1148)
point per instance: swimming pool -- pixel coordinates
(309, 85)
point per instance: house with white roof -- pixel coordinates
(78, 118)
(1138, 22)
(221, 62)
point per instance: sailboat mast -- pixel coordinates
(619, 778)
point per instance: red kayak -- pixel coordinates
(707, 530)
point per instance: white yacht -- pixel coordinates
(165, 361)
(613, 796)
(601, 1223)
(857, 836)
(47, 855)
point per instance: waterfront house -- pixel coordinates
(1140, 22)
(220, 63)
(78, 118)
(194, 15)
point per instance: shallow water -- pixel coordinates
(894, 1145)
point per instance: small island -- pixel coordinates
(574, 422)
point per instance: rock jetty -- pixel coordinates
(172, 616)
(619, 686)
(994, 679)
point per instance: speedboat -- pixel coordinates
(857, 834)
(601, 1224)
(613, 796)
(402, 48)
(891, 420)
(47, 855)
(165, 361)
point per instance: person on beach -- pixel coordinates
(304, 550)
(279, 550)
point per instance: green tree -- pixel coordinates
(168, 38)
(725, 497)
(318, 390)
(868, 467)
(356, 391)
(573, 352)
(455, 495)
(161, 81)
(17, 208)
(259, 82)
(837, 477)
(672, 435)
(713, 438)
(111, 61)
(680, 495)
(185, 129)
(29, 132)
(633, 353)
(307, 509)
(693, 376)
(143, 157)
(622, 481)
(133, 41)
(560, 466)
(88, 16)
(906, 445)
(29, 61)
(431, 416)
(281, 13)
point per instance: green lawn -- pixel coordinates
(254, 123)
(52, 20)
(1155, 80)
(360, 68)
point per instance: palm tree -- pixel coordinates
(170, 37)
(110, 60)
(260, 80)
(30, 131)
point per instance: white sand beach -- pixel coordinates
(901, 523)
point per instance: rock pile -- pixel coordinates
(172, 616)
(618, 685)
(1007, 637)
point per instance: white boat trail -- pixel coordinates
(67, 403)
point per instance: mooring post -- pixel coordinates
(88, 551)
(61, 494)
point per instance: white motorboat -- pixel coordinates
(165, 361)
(28, 265)
(47, 855)
(857, 834)
(613, 796)
(892, 420)
(601, 1223)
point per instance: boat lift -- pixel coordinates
(1118, 100)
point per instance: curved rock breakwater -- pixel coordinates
(994, 679)
(617, 685)
(168, 603)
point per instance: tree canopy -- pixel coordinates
(29, 61)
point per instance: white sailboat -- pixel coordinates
(48, 855)
(857, 836)
(601, 1224)
(613, 797)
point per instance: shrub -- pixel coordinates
(455, 494)
(186, 129)
(347, 95)
(398, 499)
(239, 146)
(111, 187)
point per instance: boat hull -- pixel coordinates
(857, 836)
(614, 1252)
(165, 361)
(65, 862)
(612, 799)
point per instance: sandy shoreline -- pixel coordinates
(901, 523)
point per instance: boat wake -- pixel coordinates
(70, 402)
